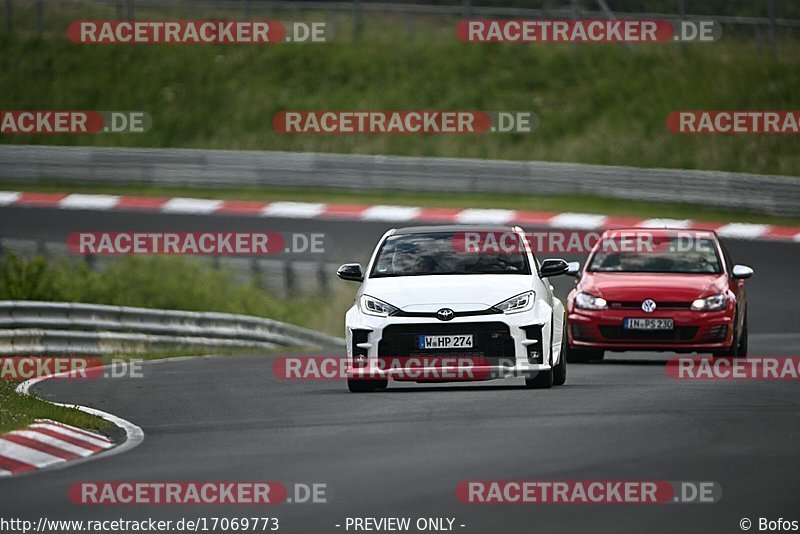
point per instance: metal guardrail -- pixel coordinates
(34, 327)
(779, 195)
(35, 15)
(456, 9)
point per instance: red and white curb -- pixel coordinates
(46, 443)
(49, 445)
(386, 213)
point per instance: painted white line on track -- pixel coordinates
(582, 221)
(485, 216)
(27, 455)
(89, 433)
(104, 443)
(666, 223)
(9, 197)
(50, 440)
(191, 205)
(743, 230)
(390, 213)
(89, 202)
(300, 210)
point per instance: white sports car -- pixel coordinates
(454, 303)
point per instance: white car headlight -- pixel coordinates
(520, 303)
(585, 301)
(712, 303)
(373, 306)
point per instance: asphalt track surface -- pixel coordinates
(401, 453)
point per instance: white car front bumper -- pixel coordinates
(526, 347)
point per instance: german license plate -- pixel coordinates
(641, 323)
(458, 341)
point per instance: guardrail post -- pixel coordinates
(289, 282)
(759, 40)
(322, 278)
(358, 17)
(576, 14)
(88, 259)
(129, 9)
(9, 16)
(772, 29)
(247, 9)
(256, 274)
(410, 29)
(40, 16)
(333, 21)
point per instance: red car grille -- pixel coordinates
(680, 333)
(637, 305)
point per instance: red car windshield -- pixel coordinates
(664, 255)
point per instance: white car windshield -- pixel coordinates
(438, 253)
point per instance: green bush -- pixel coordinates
(28, 280)
(165, 282)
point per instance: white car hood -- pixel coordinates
(469, 292)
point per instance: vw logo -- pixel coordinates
(649, 306)
(445, 314)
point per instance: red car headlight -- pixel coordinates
(712, 303)
(585, 301)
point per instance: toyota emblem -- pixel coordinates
(649, 306)
(445, 314)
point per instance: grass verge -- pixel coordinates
(20, 410)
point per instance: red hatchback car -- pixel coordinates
(658, 290)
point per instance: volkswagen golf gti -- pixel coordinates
(454, 303)
(658, 290)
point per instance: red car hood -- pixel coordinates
(656, 286)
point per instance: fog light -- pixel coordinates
(534, 356)
(360, 361)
